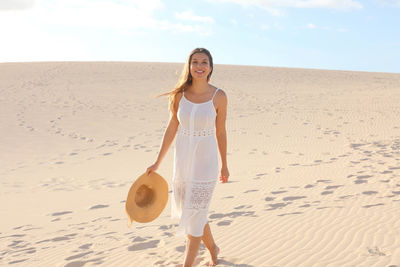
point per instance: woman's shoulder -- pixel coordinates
(220, 99)
(220, 94)
(177, 99)
(178, 96)
(218, 91)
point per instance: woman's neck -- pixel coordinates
(199, 86)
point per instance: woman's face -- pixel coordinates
(200, 66)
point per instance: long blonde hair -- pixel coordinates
(185, 79)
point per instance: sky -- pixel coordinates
(317, 34)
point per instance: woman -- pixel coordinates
(197, 115)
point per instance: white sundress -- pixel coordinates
(195, 171)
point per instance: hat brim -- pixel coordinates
(147, 198)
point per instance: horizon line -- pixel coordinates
(169, 62)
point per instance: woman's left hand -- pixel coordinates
(224, 175)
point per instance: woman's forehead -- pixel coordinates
(200, 56)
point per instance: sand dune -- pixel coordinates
(314, 157)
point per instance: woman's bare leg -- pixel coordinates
(192, 246)
(210, 244)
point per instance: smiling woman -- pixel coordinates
(198, 115)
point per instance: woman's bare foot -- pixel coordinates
(214, 257)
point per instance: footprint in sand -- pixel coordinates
(180, 248)
(333, 187)
(278, 192)
(278, 205)
(292, 213)
(293, 198)
(144, 245)
(362, 179)
(60, 213)
(85, 246)
(233, 214)
(373, 205)
(77, 256)
(98, 207)
(17, 261)
(370, 193)
(58, 238)
(250, 191)
(96, 261)
(224, 223)
(259, 176)
(324, 181)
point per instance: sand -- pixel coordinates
(314, 158)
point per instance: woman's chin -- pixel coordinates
(200, 77)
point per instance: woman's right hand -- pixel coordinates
(151, 168)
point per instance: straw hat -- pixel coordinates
(146, 198)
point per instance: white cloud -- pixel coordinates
(311, 26)
(177, 28)
(69, 29)
(102, 13)
(272, 26)
(273, 6)
(190, 16)
(265, 27)
(122, 15)
(28, 42)
(390, 2)
(16, 4)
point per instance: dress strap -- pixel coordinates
(183, 93)
(215, 93)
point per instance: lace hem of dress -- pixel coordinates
(199, 194)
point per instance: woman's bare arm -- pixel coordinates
(169, 136)
(220, 127)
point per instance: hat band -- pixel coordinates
(205, 132)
